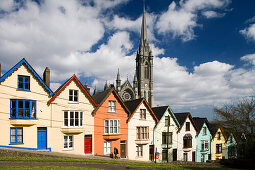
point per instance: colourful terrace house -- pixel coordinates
(219, 140)
(204, 140)
(141, 124)
(231, 147)
(72, 123)
(166, 134)
(25, 117)
(110, 124)
(186, 150)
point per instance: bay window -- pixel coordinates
(112, 126)
(73, 119)
(23, 109)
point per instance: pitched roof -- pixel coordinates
(214, 127)
(100, 97)
(23, 61)
(160, 111)
(63, 86)
(133, 105)
(181, 117)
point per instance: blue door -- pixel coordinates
(41, 138)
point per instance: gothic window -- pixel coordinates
(146, 71)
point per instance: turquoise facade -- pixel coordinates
(202, 155)
(231, 147)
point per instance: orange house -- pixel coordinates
(110, 124)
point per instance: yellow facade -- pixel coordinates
(218, 142)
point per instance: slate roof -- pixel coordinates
(181, 117)
(24, 61)
(159, 111)
(199, 122)
(133, 104)
(100, 96)
(213, 127)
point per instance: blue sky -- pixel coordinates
(204, 50)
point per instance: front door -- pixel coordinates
(123, 148)
(88, 144)
(151, 152)
(41, 138)
(174, 154)
(193, 156)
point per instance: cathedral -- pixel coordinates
(143, 78)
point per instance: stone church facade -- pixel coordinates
(143, 78)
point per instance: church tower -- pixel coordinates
(144, 66)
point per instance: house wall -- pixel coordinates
(160, 127)
(102, 114)
(135, 122)
(182, 132)
(8, 90)
(200, 138)
(218, 141)
(58, 131)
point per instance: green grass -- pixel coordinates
(44, 168)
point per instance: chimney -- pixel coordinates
(87, 88)
(46, 76)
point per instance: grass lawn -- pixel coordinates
(44, 168)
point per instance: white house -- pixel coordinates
(166, 132)
(186, 150)
(141, 124)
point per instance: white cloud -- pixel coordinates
(7, 5)
(180, 20)
(213, 14)
(249, 32)
(250, 58)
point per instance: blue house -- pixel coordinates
(204, 140)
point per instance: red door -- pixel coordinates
(88, 144)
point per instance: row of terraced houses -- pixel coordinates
(72, 121)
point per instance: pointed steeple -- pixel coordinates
(118, 81)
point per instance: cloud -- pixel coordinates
(250, 58)
(7, 5)
(213, 14)
(180, 20)
(249, 32)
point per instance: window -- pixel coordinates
(16, 135)
(142, 133)
(142, 113)
(204, 130)
(164, 155)
(73, 119)
(167, 121)
(218, 135)
(23, 109)
(73, 95)
(204, 145)
(111, 126)
(139, 150)
(218, 148)
(112, 106)
(202, 158)
(107, 147)
(68, 142)
(187, 141)
(187, 126)
(23, 82)
(185, 157)
(167, 136)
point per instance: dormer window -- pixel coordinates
(73, 95)
(23, 82)
(112, 106)
(142, 114)
(187, 126)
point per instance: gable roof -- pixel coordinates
(133, 105)
(100, 97)
(181, 117)
(160, 111)
(200, 122)
(23, 61)
(124, 84)
(214, 128)
(63, 86)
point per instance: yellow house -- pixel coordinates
(218, 140)
(33, 117)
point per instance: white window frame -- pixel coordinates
(72, 96)
(80, 119)
(113, 126)
(68, 140)
(142, 133)
(112, 106)
(203, 145)
(143, 114)
(107, 147)
(139, 150)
